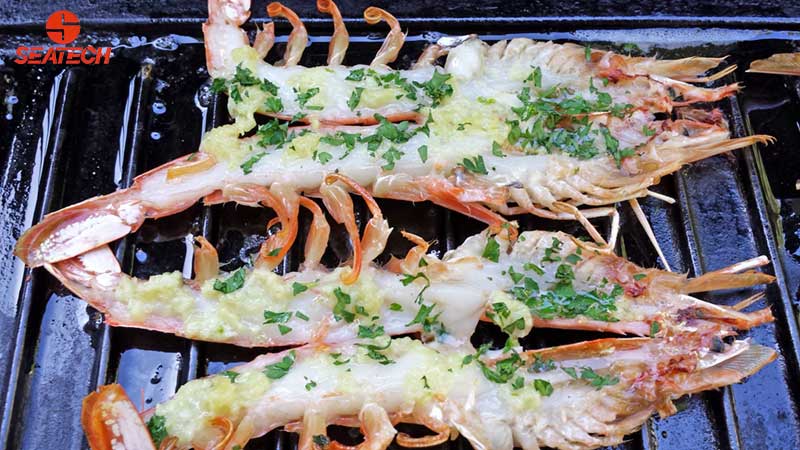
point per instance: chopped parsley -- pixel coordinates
(639, 276)
(157, 426)
(429, 322)
(304, 96)
(391, 156)
(588, 374)
(492, 250)
(274, 104)
(218, 85)
(247, 166)
(268, 86)
(321, 440)
(341, 138)
(340, 311)
(396, 307)
(311, 384)
(551, 253)
(543, 387)
(322, 157)
(497, 150)
(370, 332)
(475, 165)
(541, 365)
(535, 77)
(281, 368)
(647, 131)
(437, 87)
(504, 370)
(298, 288)
(272, 133)
(355, 75)
(473, 357)
(337, 361)
(301, 316)
(244, 76)
(655, 327)
(276, 317)
(423, 153)
(232, 283)
(230, 374)
(612, 147)
(374, 352)
(355, 98)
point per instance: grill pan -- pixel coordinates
(68, 133)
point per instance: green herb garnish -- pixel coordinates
(281, 368)
(232, 283)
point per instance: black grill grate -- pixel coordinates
(77, 132)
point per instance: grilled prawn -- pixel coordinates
(578, 126)
(578, 396)
(473, 71)
(541, 146)
(544, 279)
(398, 161)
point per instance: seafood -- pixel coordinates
(579, 125)
(543, 279)
(473, 70)
(578, 396)
(571, 131)
(778, 64)
(397, 161)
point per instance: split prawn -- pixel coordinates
(542, 279)
(578, 396)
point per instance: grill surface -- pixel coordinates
(69, 133)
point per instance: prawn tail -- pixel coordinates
(92, 275)
(730, 369)
(111, 421)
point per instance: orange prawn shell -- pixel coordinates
(108, 416)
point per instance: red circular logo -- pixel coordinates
(63, 27)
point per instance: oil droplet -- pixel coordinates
(155, 135)
(157, 376)
(141, 256)
(165, 43)
(159, 108)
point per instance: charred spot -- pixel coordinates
(635, 289)
(717, 345)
